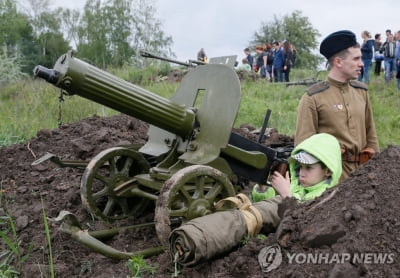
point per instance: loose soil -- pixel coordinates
(359, 218)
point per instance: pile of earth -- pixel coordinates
(361, 217)
(352, 230)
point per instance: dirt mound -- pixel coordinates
(361, 217)
(24, 186)
(350, 231)
(271, 136)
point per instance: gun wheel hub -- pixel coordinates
(104, 173)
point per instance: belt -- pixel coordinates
(361, 157)
(350, 157)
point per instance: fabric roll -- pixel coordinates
(205, 237)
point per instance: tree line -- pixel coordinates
(298, 30)
(105, 33)
(111, 33)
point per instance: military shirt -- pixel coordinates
(342, 109)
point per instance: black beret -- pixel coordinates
(337, 42)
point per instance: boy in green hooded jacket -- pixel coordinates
(315, 165)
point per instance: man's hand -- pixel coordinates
(366, 154)
(281, 184)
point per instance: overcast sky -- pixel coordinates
(225, 27)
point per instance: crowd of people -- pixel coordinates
(388, 52)
(271, 61)
(274, 61)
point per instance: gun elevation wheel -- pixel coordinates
(106, 171)
(189, 193)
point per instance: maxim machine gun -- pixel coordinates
(191, 159)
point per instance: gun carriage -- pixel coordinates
(191, 159)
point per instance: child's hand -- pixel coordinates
(281, 184)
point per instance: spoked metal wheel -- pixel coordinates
(108, 170)
(189, 193)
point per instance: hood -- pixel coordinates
(326, 148)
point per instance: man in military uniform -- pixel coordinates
(340, 105)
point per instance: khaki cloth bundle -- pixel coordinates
(204, 237)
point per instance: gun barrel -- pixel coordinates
(305, 82)
(151, 55)
(197, 62)
(49, 75)
(77, 77)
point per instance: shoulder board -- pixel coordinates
(317, 88)
(358, 84)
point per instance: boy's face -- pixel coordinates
(311, 174)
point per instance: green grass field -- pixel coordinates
(29, 106)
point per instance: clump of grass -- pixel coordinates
(138, 267)
(6, 271)
(47, 232)
(10, 67)
(12, 255)
(141, 76)
(30, 106)
(261, 236)
(385, 104)
(86, 267)
(246, 238)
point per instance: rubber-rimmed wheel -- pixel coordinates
(189, 193)
(107, 170)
